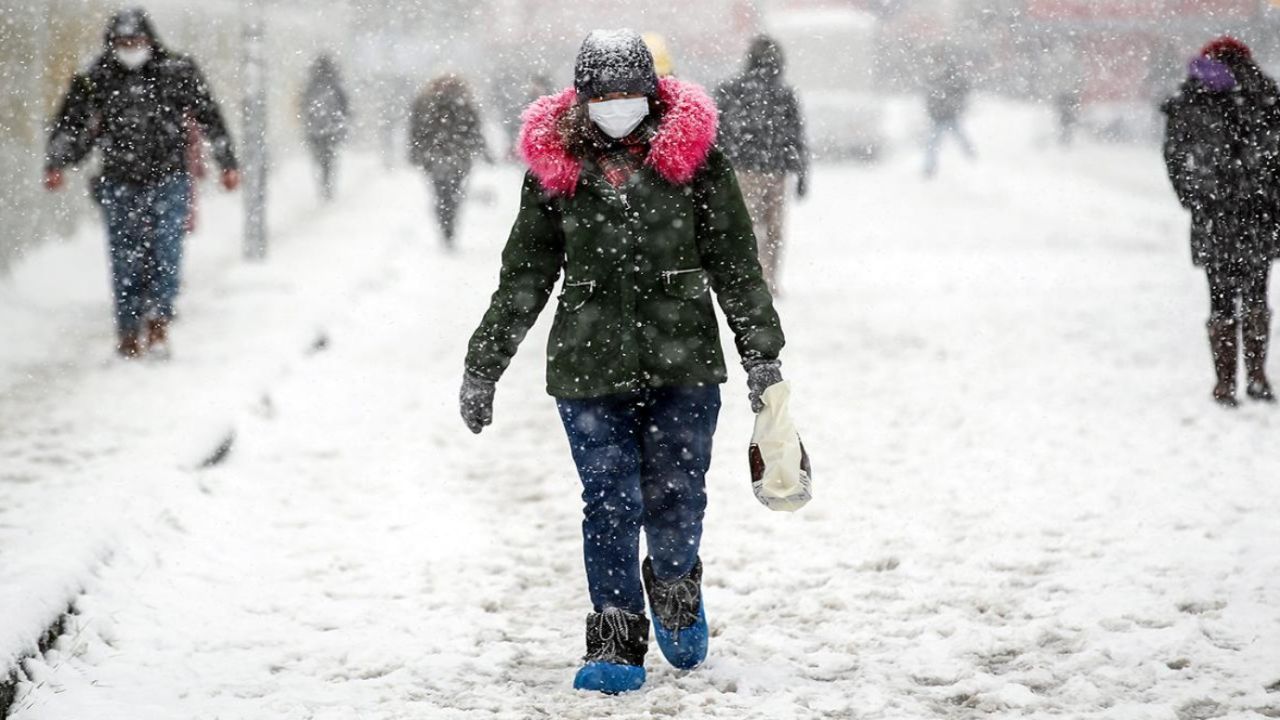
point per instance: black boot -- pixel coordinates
(616, 645)
(1257, 331)
(1225, 348)
(679, 619)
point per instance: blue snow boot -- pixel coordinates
(616, 644)
(679, 618)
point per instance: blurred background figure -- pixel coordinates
(444, 140)
(1065, 90)
(538, 85)
(133, 104)
(947, 89)
(663, 63)
(1221, 145)
(325, 115)
(762, 134)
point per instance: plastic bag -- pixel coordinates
(780, 473)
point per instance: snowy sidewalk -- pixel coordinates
(1027, 506)
(87, 440)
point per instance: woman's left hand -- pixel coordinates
(762, 374)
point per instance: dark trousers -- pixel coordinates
(326, 157)
(1243, 282)
(938, 129)
(1068, 107)
(447, 184)
(146, 226)
(642, 458)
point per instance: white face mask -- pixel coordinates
(617, 118)
(133, 58)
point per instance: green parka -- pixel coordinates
(640, 262)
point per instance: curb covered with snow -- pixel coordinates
(90, 442)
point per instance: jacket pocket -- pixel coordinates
(688, 284)
(575, 294)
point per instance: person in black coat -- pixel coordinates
(445, 137)
(1222, 150)
(947, 90)
(325, 111)
(136, 105)
(762, 134)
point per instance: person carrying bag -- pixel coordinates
(629, 197)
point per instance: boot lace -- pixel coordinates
(613, 632)
(676, 603)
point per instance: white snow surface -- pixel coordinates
(1026, 505)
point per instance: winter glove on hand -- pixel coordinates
(760, 375)
(476, 401)
(802, 185)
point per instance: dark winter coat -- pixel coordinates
(947, 93)
(1222, 152)
(640, 261)
(444, 128)
(325, 108)
(137, 118)
(761, 126)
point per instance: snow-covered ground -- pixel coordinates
(1027, 505)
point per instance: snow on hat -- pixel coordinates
(130, 23)
(1226, 48)
(613, 61)
(764, 55)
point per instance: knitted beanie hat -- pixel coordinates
(613, 61)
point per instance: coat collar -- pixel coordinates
(678, 150)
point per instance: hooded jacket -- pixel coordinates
(444, 127)
(137, 118)
(761, 125)
(640, 261)
(947, 91)
(1222, 153)
(324, 105)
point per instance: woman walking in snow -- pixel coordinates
(444, 140)
(627, 195)
(1222, 149)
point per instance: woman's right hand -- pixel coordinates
(52, 179)
(475, 401)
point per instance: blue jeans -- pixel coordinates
(146, 225)
(643, 459)
(933, 144)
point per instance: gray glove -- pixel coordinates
(475, 400)
(760, 375)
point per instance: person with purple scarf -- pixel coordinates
(1222, 151)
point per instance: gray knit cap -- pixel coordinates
(613, 61)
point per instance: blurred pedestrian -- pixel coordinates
(1222, 142)
(947, 89)
(762, 134)
(444, 140)
(628, 196)
(1065, 86)
(663, 62)
(538, 85)
(133, 104)
(325, 114)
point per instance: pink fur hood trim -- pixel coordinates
(678, 150)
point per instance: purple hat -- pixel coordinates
(1213, 74)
